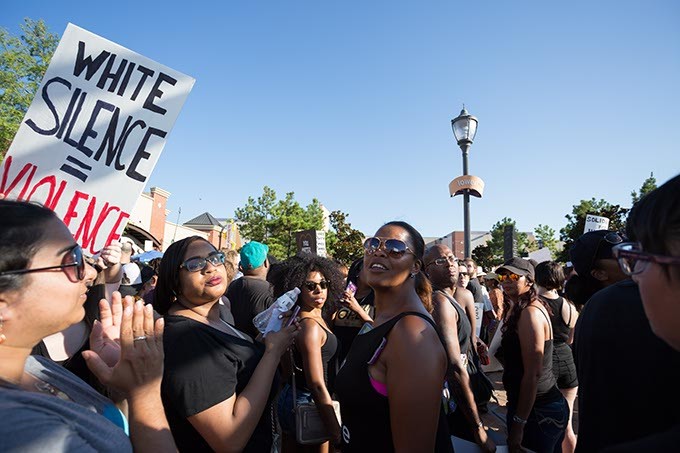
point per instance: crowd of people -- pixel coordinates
(105, 353)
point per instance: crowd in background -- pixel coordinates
(114, 353)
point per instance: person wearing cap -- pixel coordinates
(594, 264)
(537, 413)
(626, 373)
(138, 280)
(251, 294)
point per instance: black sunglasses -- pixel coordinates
(73, 265)
(395, 248)
(197, 263)
(611, 238)
(311, 286)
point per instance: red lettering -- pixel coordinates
(52, 181)
(28, 182)
(103, 214)
(52, 204)
(114, 236)
(84, 227)
(3, 184)
(71, 211)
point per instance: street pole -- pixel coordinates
(465, 147)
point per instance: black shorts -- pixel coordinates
(564, 368)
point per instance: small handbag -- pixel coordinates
(309, 427)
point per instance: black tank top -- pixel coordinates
(327, 352)
(560, 328)
(463, 324)
(513, 371)
(365, 413)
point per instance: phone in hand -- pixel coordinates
(351, 287)
(293, 315)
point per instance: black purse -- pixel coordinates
(480, 384)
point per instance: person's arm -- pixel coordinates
(446, 318)
(415, 371)
(531, 333)
(309, 343)
(351, 302)
(228, 425)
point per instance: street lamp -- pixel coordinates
(464, 130)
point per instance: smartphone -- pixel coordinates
(290, 320)
(351, 287)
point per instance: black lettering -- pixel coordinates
(126, 79)
(157, 93)
(146, 72)
(114, 76)
(76, 114)
(142, 154)
(115, 151)
(30, 123)
(83, 63)
(89, 132)
(69, 112)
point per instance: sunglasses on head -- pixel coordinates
(73, 265)
(394, 248)
(198, 263)
(444, 261)
(632, 260)
(504, 277)
(311, 286)
(610, 238)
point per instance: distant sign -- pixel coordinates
(595, 223)
(93, 134)
(311, 241)
(461, 184)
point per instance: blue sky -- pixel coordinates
(350, 102)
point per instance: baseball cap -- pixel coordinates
(593, 246)
(518, 266)
(134, 277)
(253, 255)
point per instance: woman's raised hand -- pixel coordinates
(137, 365)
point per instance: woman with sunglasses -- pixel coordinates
(44, 282)
(218, 384)
(537, 413)
(654, 264)
(390, 386)
(319, 280)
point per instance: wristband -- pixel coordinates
(519, 420)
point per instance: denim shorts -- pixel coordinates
(545, 426)
(285, 406)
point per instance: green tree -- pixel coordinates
(577, 221)
(23, 62)
(647, 186)
(546, 235)
(344, 242)
(491, 254)
(275, 222)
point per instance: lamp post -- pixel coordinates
(464, 130)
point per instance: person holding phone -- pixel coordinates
(319, 280)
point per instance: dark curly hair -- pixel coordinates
(293, 273)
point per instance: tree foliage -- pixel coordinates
(648, 185)
(577, 221)
(490, 255)
(23, 62)
(275, 222)
(344, 242)
(546, 236)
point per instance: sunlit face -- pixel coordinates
(50, 300)
(441, 267)
(312, 295)
(660, 300)
(382, 270)
(206, 285)
(514, 288)
(470, 268)
(463, 276)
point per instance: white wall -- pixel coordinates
(141, 214)
(177, 232)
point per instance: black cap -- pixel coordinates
(593, 246)
(518, 266)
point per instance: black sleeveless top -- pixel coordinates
(463, 325)
(560, 328)
(513, 371)
(365, 412)
(327, 352)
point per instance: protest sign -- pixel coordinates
(93, 134)
(595, 223)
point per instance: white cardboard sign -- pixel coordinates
(595, 223)
(93, 134)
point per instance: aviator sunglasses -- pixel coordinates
(394, 248)
(633, 260)
(311, 286)
(504, 277)
(198, 263)
(73, 265)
